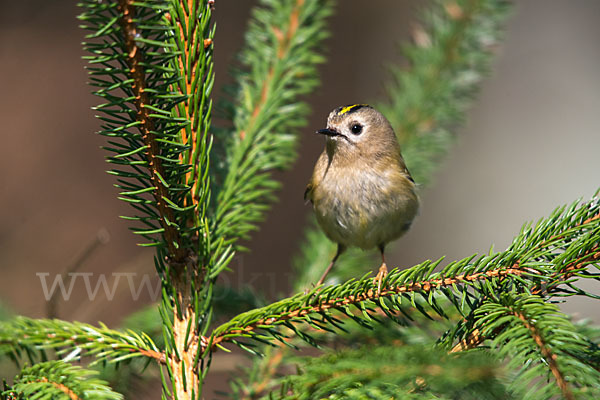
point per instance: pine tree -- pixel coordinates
(485, 326)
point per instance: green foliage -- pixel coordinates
(137, 114)
(33, 337)
(416, 372)
(538, 340)
(59, 380)
(591, 335)
(405, 331)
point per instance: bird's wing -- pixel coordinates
(408, 175)
(308, 193)
(316, 178)
(405, 169)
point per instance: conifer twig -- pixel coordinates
(283, 45)
(58, 380)
(102, 343)
(194, 62)
(370, 292)
(72, 395)
(135, 60)
(547, 354)
(191, 24)
(537, 340)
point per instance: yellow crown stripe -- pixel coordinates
(348, 108)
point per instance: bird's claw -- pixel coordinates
(383, 271)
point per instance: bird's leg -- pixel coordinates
(383, 271)
(340, 250)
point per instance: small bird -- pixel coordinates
(361, 191)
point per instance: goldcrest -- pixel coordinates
(361, 191)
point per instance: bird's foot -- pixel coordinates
(383, 271)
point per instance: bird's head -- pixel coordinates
(359, 129)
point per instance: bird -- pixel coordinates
(362, 193)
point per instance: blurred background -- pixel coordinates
(530, 143)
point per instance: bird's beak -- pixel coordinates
(328, 132)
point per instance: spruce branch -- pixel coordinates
(194, 42)
(130, 56)
(74, 340)
(362, 293)
(547, 354)
(268, 373)
(147, 128)
(187, 309)
(156, 74)
(522, 325)
(59, 380)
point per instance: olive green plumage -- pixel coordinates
(361, 191)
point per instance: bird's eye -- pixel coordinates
(356, 129)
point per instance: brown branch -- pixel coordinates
(547, 354)
(283, 46)
(72, 395)
(568, 271)
(473, 340)
(136, 71)
(157, 355)
(370, 294)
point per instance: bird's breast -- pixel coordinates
(365, 208)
